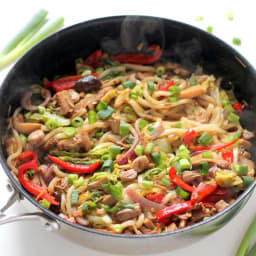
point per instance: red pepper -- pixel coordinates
(155, 197)
(223, 145)
(208, 204)
(94, 59)
(139, 58)
(189, 135)
(218, 194)
(202, 191)
(237, 106)
(64, 83)
(77, 168)
(29, 185)
(163, 215)
(178, 181)
(228, 156)
(95, 74)
(170, 83)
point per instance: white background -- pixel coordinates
(28, 239)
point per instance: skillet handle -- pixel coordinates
(47, 222)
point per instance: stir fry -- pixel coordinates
(130, 144)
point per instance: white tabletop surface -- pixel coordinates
(29, 239)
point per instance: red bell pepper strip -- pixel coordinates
(95, 74)
(163, 215)
(189, 135)
(155, 197)
(139, 58)
(94, 59)
(202, 191)
(223, 145)
(64, 83)
(218, 194)
(29, 185)
(169, 84)
(28, 156)
(178, 181)
(77, 168)
(228, 156)
(237, 106)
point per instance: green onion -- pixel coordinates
(92, 118)
(30, 173)
(45, 204)
(252, 251)
(173, 99)
(31, 34)
(124, 129)
(149, 148)
(86, 72)
(233, 117)
(128, 84)
(184, 164)
(248, 236)
(199, 18)
(178, 168)
(41, 110)
(236, 41)
(147, 184)
(23, 138)
(228, 107)
(155, 157)
(116, 190)
(241, 170)
(69, 131)
(99, 70)
(182, 193)
(165, 182)
(192, 81)
(51, 124)
(177, 125)
(143, 123)
(205, 139)
(99, 134)
(108, 62)
(117, 228)
(74, 197)
(108, 165)
(230, 16)
(106, 113)
(209, 29)
(204, 168)
(71, 178)
(88, 207)
(151, 86)
(106, 157)
(139, 150)
(207, 154)
(101, 105)
(247, 180)
(77, 121)
(79, 182)
(149, 174)
(114, 151)
(174, 90)
(150, 129)
(129, 113)
(160, 70)
(133, 95)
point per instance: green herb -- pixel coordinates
(236, 41)
(241, 170)
(133, 95)
(204, 168)
(230, 15)
(147, 184)
(23, 138)
(247, 180)
(124, 129)
(51, 124)
(151, 86)
(45, 204)
(92, 118)
(177, 125)
(33, 32)
(112, 75)
(69, 131)
(143, 123)
(30, 173)
(192, 81)
(74, 197)
(71, 178)
(108, 62)
(199, 18)
(129, 113)
(99, 134)
(108, 165)
(139, 150)
(149, 175)
(182, 193)
(165, 182)
(149, 148)
(77, 121)
(185, 164)
(88, 207)
(99, 70)
(160, 71)
(150, 129)
(114, 151)
(128, 84)
(104, 114)
(101, 105)
(86, 72)
(79, 182)
(155, 157)
(207, 154)
(209, 29)
(205, 139)
(173, 99)
(116, 190)
(174, 90)
(233, 117)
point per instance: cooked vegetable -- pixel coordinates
(236, 41)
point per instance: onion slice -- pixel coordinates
(158, 130)
(134, 196)
(130, 154)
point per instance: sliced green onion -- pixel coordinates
(118, 228)
(101, 105)
(228, 107)
(133, 95)
(129, 113)
(143, 123)
(108, 165)
(128, 84)
(23, 138)
(106, 157)
(92, 118)
(74, 197)
(99, 134)
(71, 178)
(173, 99)
(114, 151)
(160, 70)
(247, 180)
(205, 139)
(204, 168)
(30, 173)
(165, 182)
(240, 169)
(207, 154)
(77, 121)
(236, 41)
(69, 131)
(177, 125)
(99, 70)
(209, 29)
(230, 15)
(41, 110)
(149, 148)
(155, 157)
(199, 18)
(116, 190)
(233, 117)
(88, 207)
(151, 86)
(150, 129)
(178, 168)
(45, 204)
(174, 90)
(104, 114)
(139, 150)
(182, 193)
(51, 124)
(184, 164)
(124, 129)
(79, 182)
(147, 184)
(192, 81)
(86, 72)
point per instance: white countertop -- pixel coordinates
(29, 238)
